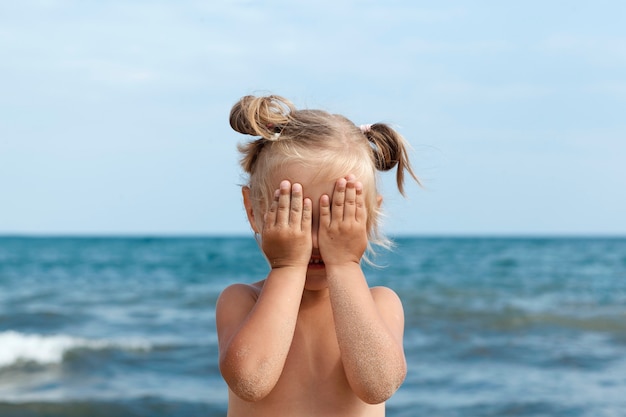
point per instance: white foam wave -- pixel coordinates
(16, 347)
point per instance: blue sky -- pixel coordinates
(114, 115)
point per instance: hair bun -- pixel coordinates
(261, 116)
(238, 120)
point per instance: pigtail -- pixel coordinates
(261, 116)
(390, 150)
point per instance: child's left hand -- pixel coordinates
(342, 234)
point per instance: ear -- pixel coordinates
(379, 200)
(247, 203)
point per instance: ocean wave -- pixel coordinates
(149, 406)
(51, 349)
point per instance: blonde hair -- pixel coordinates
(330, 143)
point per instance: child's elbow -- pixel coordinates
(383, 388)
(249, 391)
(246, 385)
(377, 395)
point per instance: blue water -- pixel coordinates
(494, 327)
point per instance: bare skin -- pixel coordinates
(312, 339)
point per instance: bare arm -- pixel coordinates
(369, 331)
(255, 334)
(369, 323)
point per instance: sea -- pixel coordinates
(121, 327)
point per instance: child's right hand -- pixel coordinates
(286, 235)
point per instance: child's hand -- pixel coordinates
(286, 235)
(342, 232)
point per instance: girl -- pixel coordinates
(312, 339)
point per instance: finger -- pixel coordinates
(339, 195)
(270, 215)
(295, 216)
(307, 214)
(361, 211)
(284, 198)
(325, 216)
(349, 210)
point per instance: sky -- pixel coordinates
(114, 115)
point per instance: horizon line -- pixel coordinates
(486, 235)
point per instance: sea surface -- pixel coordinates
(124, 327)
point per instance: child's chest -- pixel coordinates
(314, 352)
(313, 377)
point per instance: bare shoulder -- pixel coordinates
(240, 292)
(234, 304)
(238, 296)
(390, 309)
(384, 296)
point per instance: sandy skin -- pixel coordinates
(312, 339)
